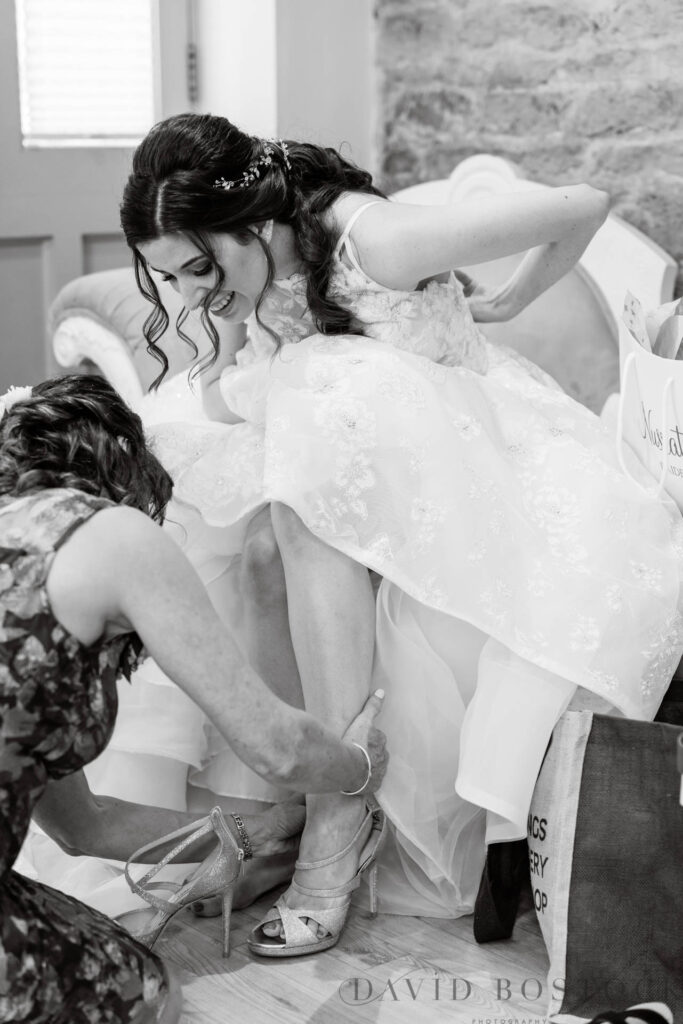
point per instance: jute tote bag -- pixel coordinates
(606, 855)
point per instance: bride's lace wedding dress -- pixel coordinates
(521, 569)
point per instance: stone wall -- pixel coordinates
(572, 90)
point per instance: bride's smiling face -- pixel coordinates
(175, 258)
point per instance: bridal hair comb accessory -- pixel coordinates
(12, 396)
(285, 153)
(253, 171)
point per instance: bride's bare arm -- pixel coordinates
(120, 570)
(232, 338)
(399, 244)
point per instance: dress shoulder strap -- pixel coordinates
(344, 237)
(44, 520)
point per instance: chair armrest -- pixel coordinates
(82, 342)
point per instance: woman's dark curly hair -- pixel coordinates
(171, 190)
(76, 431)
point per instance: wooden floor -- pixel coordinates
(386, 969)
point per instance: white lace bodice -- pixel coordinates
(434, 322)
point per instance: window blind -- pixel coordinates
(86, 71)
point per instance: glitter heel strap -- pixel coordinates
(215, 876)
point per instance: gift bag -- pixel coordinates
(605, 836)
(650, 418)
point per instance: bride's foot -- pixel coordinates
(320, 844)
(310, 916)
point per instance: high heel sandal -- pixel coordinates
(215, 876)
(648, 1013)
(300, 938)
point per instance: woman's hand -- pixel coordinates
(232, 338)
(214, 405)
(363, 731)
(487, 304)
(277, 829)
(468, 283)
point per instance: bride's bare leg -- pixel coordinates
(265, 622)
(332, 622)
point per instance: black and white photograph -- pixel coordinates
(341, 511)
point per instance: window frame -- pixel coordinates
(122, 140)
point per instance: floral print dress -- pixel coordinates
(60, 961)
(521, 569)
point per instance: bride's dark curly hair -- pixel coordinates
(76, 431)
(171, 189)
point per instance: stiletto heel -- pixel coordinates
(300, 938)
(227, 912)
(214, 877)
(372, 886)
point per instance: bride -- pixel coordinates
(366, 424)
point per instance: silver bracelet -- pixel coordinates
(362, 789)
(244, 836)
